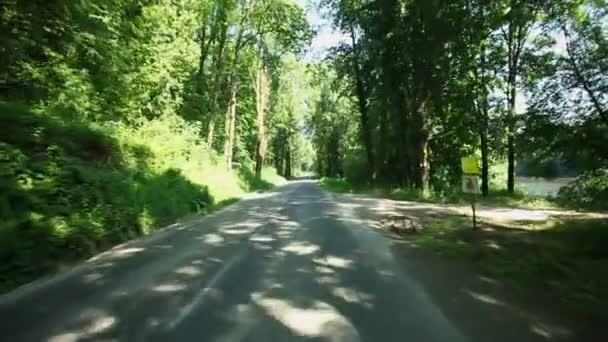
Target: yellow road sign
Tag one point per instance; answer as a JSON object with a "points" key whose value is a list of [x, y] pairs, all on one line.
{"points": [[470, 165]]}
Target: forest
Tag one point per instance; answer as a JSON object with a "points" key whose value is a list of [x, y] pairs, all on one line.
{"points": [[120, 116], [428, 82]]}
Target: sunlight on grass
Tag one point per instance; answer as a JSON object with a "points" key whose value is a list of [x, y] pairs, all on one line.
{"points": [[95, 186], [270, 175]]}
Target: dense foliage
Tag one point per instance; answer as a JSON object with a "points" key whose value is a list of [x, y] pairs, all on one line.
{"points": [[428, 82], [590, 190], [118, 116]]}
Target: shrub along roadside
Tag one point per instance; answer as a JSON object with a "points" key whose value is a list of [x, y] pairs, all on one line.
{"points": [[70, 190], [588, 191]]}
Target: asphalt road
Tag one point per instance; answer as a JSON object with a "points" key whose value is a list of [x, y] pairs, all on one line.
{"points": [[289, 265]]}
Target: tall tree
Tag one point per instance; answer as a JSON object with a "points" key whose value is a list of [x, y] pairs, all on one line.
{"points": [[262, 88], [519, 19]]}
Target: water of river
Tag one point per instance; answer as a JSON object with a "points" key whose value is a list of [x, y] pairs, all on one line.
{"points": [[542, 186]]}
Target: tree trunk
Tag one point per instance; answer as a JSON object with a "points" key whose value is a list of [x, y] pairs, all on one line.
{"points": [[362, 103], [260, 151], [511, 136], [204, 47], [261, 91], [229, 129], [230, 125], [232, 88], [516, 38], [483, 109], [423, 175], [278, 158], [485, 189], [211, 131], [382, 150], [218, 80], [287, 173], [511, 94], [422, 108]]}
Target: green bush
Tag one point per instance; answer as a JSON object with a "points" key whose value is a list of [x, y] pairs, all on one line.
{"points": [[589, 191], [338, 185], [355, 167]]}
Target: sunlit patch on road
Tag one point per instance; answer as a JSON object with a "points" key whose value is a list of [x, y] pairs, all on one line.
{"points": [[324, 270], [92, 277], [124, 252], [95, 322], [333, 261], [261, 238], [173, 287], [212, 239], [318, 320], [484, 298], [188, 271], [300, 248], [351, 295], [327, 280], [549, 332]]}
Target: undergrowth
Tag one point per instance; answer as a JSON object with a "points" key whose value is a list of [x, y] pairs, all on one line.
{"points": [[589, 191], [70, 190]]}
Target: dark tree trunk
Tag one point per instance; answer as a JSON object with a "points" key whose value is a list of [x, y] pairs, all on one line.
{"points": [[259, 161], [278, 161], [363, 110], [230, 129], [511, 165], [515, 37], [482, 109], [423, 172], [230, 116], [511, 138], [422, 108], [218, 81], [288, 162], [485, 189]]}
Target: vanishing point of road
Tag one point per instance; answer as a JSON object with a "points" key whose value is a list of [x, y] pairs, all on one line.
{"points": [[293, 264]]}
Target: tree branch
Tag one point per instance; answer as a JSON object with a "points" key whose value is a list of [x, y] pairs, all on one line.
{"points": [[581, 78]]}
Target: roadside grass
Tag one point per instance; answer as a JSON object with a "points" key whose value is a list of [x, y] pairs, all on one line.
{"points": [[70, 190], [497, 196], [564, 260]]}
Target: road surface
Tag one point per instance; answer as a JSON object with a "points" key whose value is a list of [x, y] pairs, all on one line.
{"points": [[295, 264]]}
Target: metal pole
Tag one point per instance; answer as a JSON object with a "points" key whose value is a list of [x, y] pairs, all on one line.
{"points": [[474, 217]]}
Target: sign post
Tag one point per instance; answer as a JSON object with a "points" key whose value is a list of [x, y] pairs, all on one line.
{"points": [[470, 181]]}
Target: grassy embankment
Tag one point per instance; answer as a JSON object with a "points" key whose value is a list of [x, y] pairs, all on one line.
{"points": [[70, 190]]}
